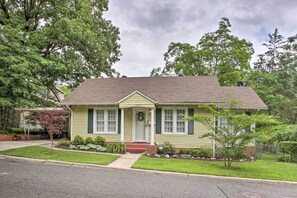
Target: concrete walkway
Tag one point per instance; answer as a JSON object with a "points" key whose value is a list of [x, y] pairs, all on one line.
{"points": [[126, 161], [6, 145]]}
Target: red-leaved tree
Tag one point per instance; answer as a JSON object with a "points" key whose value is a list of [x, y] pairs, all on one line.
{"points": [[53, 121]]}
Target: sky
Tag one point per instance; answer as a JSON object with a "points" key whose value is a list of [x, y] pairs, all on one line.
{"points": [[147, 27]]}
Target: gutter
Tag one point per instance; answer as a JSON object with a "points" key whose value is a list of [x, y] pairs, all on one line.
{"points": [[71, 122]]}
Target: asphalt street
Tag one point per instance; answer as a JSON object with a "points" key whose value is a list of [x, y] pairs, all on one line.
{"points": [[31, 179]]}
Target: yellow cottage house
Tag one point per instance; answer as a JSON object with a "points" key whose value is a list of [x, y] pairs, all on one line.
{"points": [[150, 110]]}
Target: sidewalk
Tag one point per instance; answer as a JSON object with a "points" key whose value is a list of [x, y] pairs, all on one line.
{"points": [[125, 162], [6, 145]]}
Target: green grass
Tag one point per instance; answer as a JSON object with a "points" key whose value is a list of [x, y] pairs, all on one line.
{"points": [[40, 152], [267, 168]]}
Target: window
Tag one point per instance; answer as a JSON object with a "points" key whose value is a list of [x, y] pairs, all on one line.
{"points": [[111, 120], [100, 120], [105, 121], [173, 120], [168, 121], [180, 122]]}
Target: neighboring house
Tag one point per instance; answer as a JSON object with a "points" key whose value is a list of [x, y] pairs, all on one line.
{"points": [[23, 115], [151, 109]]}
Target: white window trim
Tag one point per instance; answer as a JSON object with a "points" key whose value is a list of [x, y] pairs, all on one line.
{"points": [[174, 120], [105, 120]]}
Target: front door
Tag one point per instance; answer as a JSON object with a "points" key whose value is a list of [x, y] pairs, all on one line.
{"points": [[140, 126]]}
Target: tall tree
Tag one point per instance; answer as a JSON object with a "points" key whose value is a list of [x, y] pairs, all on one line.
{"points": [[44, 43], [270, 60], [218, 53], [275, 78]]}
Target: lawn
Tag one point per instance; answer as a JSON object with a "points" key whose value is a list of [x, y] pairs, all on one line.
{"points": [[267, 168], [40, 152]]}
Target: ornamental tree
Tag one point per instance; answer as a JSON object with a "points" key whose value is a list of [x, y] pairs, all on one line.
{"points": [[53, 121], [233, 137]]}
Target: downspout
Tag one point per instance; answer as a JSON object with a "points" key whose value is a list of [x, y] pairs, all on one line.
{"points": [[71, 122], [213, 140]]}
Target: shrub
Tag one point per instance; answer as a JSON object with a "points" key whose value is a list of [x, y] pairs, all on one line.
{"points": [[101, 149], [72, 146], [78, 140], [289, 148], [282, 157], [204, 152], [84, 148], [64, 143], [116, 147], [92, 146], [166, 148], [99, 140], [89, 140]]}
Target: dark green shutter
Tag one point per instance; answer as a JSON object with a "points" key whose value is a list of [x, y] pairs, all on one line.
{"points": [[90, 120], [191, 123], [248, 128], [158, 121], [119, 121]]}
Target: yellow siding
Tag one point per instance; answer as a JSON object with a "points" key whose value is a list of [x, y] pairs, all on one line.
{"points": [[128, 125], [80, 125], [188, 141], [136, 100]]}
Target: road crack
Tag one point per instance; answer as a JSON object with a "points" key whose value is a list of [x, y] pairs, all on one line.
{"points": [[223, 192]]}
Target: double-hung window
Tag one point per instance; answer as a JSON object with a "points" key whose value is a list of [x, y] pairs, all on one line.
{"points": [[105, 120], [173, 120]]}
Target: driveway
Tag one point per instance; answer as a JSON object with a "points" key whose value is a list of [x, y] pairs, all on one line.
{"points": [[5, 145], [29, 179]]}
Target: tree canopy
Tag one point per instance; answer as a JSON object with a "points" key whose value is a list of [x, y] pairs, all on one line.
{"points": [[44, 43], [217, 53]]}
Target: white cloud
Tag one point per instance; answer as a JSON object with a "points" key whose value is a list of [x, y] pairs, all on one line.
{"points": [[148, 26]]}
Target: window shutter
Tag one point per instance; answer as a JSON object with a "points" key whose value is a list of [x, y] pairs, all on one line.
{"points": [[90, 120], [158, 121], [248, 128], [190, 123], [119, 121]]}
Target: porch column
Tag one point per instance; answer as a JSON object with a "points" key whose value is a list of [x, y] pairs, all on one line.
{"points": [[152, 126], [122, 125]]}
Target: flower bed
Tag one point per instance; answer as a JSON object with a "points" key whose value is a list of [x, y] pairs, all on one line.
{"points": [[190, 157]]}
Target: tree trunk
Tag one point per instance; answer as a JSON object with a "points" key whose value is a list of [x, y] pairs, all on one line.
{"points": [[52, 139]]}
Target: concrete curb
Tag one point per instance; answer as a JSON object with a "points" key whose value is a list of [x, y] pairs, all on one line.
{"points": [[95, 166]]}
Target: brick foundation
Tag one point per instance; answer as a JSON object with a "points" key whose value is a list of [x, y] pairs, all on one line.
{"points": [[152, 149]]}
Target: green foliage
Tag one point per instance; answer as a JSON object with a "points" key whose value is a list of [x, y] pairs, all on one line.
{"points": [[275, 78], [84, 148], [290, 149], [166, 148], [89, 140], [64, 143], [67, 91], [231, 138], [101, 148], [72, 146], [217, 53], [98, 140], [78, 140], [47, 43], [116, 147], [92, 146], [198, 152]]}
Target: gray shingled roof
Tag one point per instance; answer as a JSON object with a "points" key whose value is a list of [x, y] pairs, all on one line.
{"points": [[163, 90], [246, 96]]}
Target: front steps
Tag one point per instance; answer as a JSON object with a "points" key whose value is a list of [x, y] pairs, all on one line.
{"points": [[136, 147]]}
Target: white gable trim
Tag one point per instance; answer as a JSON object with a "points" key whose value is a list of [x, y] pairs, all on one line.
{"points": [[138, 92]]}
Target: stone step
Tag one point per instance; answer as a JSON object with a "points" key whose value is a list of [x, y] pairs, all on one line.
{"points": [[136, 150]]}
